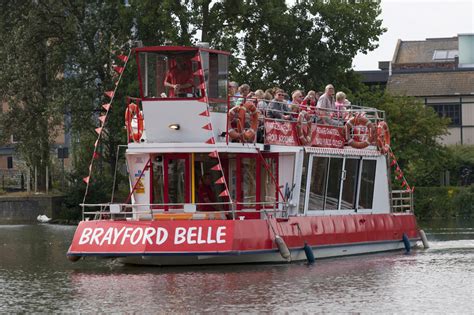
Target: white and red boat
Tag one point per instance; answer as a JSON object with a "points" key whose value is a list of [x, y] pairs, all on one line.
{"points": [[316, 184]]}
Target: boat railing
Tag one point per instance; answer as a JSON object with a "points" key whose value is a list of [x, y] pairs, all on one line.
{"points": [[238, 210], [402, 201], [288, 117]]}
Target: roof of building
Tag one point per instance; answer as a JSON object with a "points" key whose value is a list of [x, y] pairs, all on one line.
{"points": [[432, 83], [421, 51]]}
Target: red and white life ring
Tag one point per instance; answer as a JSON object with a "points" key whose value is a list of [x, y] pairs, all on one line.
{"points": [[236, 122], [133, 114], [303, 128], [356, 137], [383, 137]]}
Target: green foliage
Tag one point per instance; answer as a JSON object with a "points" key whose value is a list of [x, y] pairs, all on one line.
{"points": [[444, 202], [460, 164]]}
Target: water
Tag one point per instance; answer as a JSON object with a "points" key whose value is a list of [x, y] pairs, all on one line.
{"points": [[35, 276]]}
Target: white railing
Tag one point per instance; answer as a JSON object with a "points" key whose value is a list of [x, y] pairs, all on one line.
{"points": [[402, 201]]}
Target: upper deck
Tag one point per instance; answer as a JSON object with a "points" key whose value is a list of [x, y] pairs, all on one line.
{"points": [[200, 109]]}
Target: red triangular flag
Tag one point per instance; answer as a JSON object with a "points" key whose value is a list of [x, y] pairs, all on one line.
{"points": [[398, 169], [220, 181], [225, 193], [207, 127], [119, 69], [400, 176], [404, 183], [86, 179], [393, 163], [211, 141], [413, 189], [216, 167], [201, 86], [95, 156], [123, 58], [214, 154], [199, 72], [195, 58], [392, 155], [98, 130], [106, 106], [102, 118], [204, 113], [110, 94], [408, 189]]}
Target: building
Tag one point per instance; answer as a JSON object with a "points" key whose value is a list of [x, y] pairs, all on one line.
{"points": [[440, 71]]}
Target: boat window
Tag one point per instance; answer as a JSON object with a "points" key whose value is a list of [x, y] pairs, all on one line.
{"points": [[202, 169], [267, 184], [333, 184], [367, 184], [304, 178], [216, 81], [172, 67], [249, 181], [158, 193], [176, 182], [318, 182], [349, 187]]}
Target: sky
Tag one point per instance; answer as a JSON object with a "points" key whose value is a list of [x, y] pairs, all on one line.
{"points": [[417, 20]]}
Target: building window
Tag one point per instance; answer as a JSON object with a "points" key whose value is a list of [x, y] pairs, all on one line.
{"points": [[9, 162], [452, 111], [445, 55]]}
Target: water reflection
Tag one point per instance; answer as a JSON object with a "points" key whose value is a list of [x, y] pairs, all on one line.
{"points": [[35, 276]]}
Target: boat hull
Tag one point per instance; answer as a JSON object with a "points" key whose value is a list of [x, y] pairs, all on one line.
{"points": [[203, 242]]}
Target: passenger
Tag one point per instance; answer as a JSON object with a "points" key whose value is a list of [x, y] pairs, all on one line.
{"points": [[244, 92], [179, 78], [261, 103], [232, 92], [278, 108], [297, 97], [206, 194], [326, 101], [341, 103]]}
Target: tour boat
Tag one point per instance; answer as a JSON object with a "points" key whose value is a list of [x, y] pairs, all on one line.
{"points": [[216, 179]]}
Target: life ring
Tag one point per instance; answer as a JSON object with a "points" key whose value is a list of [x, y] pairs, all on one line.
{"points": [[239, 131], [360, 140], [304, 134], [134, 113], [383, 137]]}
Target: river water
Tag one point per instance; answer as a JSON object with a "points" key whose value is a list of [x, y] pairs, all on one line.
{"points": [[35, 276]]}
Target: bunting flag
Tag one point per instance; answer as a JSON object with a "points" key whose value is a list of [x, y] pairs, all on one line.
{"points": [[400, 176], [404, 183], [201, 86], [216, 167], [398, 170], [119, 69], [214, 154], [86, 179], [98, 130], [102, 118], [393, 163], [123, 58], [205, 113], [225, 193], [199, 72], [196, 58], [106, 106], [95, 156], [207, 127], [220, 181], [211, 141], [110, 94]]}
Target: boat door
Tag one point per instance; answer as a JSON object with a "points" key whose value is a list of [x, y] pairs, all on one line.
{"points": [[171, 180]]}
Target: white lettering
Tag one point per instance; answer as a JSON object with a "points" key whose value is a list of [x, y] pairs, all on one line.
{"points": [[161, 235], [126, 235], [117, 234], [179, 237], [107, 237], [199, 237], [86, 233], [149, 232], [191, 235], [134, 239], [95, 236], [220, 234], [209, 236]]}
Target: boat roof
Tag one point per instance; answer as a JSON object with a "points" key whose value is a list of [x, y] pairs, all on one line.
{"points": [[178, 49]]}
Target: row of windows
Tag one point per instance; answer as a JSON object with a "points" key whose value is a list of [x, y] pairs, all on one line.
{"points": [[338, 183], [452, 111]]}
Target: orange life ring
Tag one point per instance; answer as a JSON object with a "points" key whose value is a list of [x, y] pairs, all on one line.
{"points": [[359, 141], [383, 137], [304, 134], [133, 112], [239, 131]]}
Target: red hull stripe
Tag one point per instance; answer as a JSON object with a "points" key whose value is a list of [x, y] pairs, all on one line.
{"points": [[228, 236]]}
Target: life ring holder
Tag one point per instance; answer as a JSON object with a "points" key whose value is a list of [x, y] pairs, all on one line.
{"points": [[363, 121], [133, 112], [305, 137], [240, 132], [383, 137]]}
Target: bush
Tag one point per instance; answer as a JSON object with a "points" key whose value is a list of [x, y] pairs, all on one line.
{"points": [[444, 202]]}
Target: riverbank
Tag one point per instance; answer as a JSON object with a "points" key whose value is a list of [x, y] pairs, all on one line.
{"points": [[20, 208]]}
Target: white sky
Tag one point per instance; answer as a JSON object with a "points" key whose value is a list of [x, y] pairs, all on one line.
{"points": [[417, 20]]}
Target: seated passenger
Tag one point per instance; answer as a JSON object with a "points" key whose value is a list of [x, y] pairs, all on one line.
{"points": [[278, 108], [341, 103], [206, 194], [179, 78], [232, 92], [244, 92]]}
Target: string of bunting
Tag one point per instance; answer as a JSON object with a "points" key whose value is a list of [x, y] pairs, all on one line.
{"points": [[119, 70], [215, 153], [399, 173]]}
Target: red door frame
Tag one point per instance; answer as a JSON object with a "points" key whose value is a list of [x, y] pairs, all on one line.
{"points": [[187, 179]]}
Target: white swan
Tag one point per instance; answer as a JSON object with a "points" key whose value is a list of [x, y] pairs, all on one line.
{"points": [[43, 218]]}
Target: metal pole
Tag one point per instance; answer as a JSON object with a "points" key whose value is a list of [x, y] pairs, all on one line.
{"points": [[28, 180], [36, 179], [47, 179]]}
